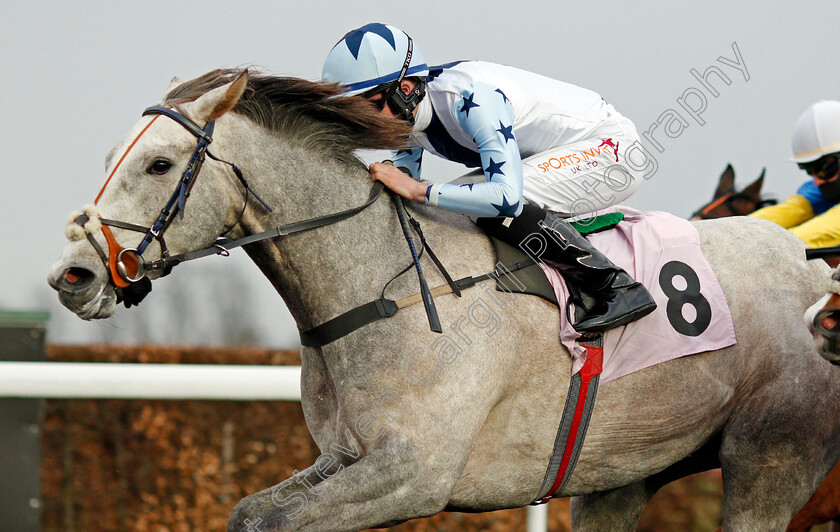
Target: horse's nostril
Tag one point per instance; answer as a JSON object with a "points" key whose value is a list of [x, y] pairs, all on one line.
{"points": [[78, 276], [830, 322]]}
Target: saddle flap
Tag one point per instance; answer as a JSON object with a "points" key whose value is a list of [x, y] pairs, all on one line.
{"points": [[528, 280], [531, 279]]}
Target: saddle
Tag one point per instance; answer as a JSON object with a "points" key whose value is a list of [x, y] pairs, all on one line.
{"points": [[531, 280]]}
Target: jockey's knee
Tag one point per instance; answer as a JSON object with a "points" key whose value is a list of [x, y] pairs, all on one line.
{"points": [[513, 230], [623, 181], [611, 187]]}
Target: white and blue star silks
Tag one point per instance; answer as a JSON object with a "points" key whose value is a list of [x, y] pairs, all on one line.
{"points": [[492, 117]]}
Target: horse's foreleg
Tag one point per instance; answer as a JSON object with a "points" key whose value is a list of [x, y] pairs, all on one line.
{"points": [[615, 510], [767, 474], [761, 498], [387, 486], [290, 494]]}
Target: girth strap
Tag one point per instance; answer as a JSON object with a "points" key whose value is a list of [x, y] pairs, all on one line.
{"points": [[348, 322], [583, 388]]}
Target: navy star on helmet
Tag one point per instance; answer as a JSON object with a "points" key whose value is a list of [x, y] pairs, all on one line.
{"points": [[370, 56]]}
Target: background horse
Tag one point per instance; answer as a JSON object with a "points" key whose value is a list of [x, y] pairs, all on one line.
{"points": [[729, 202], [823, 319], [824, 505], [412, 422]]}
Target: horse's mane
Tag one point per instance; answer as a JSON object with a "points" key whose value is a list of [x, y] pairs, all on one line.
{"points": [[314, 114]]}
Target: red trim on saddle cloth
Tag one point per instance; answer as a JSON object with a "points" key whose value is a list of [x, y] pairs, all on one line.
{"points": [[591, 368]]}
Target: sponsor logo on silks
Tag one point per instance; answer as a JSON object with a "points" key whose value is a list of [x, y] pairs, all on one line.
{"points": [[614, 145], [583, 157]]}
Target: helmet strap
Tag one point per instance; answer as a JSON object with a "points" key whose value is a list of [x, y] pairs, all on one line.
{"points": [[403, 104]]}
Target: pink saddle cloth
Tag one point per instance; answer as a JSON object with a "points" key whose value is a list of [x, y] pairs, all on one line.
{"points": [[663, 253]]}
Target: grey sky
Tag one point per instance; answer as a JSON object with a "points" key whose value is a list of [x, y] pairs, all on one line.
{"points": [[77, 76]]}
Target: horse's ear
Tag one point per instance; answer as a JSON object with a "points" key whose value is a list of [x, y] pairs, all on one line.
{"points": [[754, 189], [218, 101], [726, 183], [172, 84]]}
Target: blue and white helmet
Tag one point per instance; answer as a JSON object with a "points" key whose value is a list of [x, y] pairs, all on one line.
{"points": [[371, 56]]}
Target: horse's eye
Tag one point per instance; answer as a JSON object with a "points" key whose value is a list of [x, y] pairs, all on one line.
{"points": [[159, 166]]}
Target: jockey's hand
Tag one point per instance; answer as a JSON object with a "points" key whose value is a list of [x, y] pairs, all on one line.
{"points": [[397, 181]]}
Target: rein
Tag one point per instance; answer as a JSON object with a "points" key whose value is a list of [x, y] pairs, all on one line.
{"points": [[127, 265], [223, 245], [177, 202], [129, 271]]}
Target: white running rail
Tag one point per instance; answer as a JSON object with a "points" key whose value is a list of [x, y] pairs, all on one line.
{"points": [[95, 380]]}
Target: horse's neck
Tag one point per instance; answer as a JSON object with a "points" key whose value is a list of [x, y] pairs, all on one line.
{"points": [[327, 271]]}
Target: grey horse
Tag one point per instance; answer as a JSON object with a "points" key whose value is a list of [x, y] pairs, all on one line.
{"points": [[411, 422]]}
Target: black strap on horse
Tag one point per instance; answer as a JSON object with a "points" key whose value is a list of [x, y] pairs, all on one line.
{"points": [[133, 284], [822, 253], [375, 310], [223, 245], [416, 225], [357, 317]]}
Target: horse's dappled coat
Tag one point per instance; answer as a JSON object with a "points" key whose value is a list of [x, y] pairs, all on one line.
{"points": [[480, 436]]}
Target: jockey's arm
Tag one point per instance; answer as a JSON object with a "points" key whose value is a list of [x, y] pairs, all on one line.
{"points": [[821, 231], [486, 115], [808, 215], [792, 212]]}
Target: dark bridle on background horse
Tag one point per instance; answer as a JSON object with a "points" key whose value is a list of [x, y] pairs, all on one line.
{"points": [[128, 269], [728, 200]]}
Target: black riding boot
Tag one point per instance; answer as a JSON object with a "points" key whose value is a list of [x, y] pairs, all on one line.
{"points": [[619, 299]]}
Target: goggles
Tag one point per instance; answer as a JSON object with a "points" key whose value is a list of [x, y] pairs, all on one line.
{"points": [[823, 168], [382, 101]]}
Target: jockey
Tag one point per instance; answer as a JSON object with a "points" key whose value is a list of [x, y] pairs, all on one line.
{"points": [[548, 151], [813, 213]]}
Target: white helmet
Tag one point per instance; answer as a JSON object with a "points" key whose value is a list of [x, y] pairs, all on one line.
{"points": [[371, 56], [817, 132]]}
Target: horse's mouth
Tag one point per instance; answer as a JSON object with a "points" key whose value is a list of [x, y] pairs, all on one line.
{"points": [[83, 292]]}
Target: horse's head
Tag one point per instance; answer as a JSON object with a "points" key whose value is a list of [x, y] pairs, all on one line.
{"points": [[729, 202], [139, 214], [823, 319]]}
